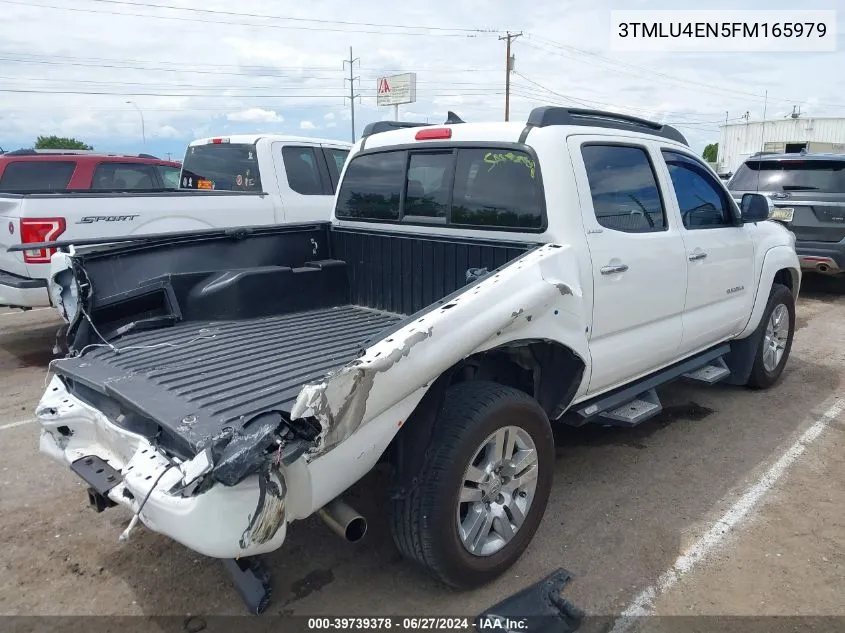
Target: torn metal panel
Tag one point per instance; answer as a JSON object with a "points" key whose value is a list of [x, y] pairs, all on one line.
{"points": [[270, 512], [493, 309]]}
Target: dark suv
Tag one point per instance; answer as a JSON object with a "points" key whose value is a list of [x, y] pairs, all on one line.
{"points": [[809, 193]]}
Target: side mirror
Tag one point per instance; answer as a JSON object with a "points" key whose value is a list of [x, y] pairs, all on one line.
{"points": [[755, 207]]}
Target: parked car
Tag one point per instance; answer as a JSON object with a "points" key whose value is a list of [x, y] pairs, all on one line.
{"points": [[240, 180], [41, 171], [477, 283], [808, 192]]}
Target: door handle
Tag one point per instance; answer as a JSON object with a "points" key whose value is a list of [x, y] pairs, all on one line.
{"points": [[612, 270], [696, 256]]}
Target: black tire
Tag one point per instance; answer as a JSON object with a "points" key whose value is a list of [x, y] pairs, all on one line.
{"points": [[760, 377], [425, 525]]}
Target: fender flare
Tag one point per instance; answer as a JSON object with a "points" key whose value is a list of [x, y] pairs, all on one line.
{"points": [[776, 259], [740, 360]]}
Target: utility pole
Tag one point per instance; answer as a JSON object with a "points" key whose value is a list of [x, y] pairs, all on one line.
{"points": [[351, 79], [508, 68]]}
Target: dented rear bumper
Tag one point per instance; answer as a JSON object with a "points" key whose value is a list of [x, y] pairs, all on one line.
{"points": [[221, 521]]}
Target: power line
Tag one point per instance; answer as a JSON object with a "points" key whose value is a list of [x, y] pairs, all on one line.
{"points": [[291, 19], [589, 103], [230, 22], [655, 73], [218, 87], [475, 91], [181, 65]]}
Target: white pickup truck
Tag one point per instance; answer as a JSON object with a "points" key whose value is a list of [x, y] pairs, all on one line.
{"points": [[476, 284], [227, 181]]}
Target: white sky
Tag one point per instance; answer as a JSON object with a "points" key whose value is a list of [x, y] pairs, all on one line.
{"points": [[236, 73]]}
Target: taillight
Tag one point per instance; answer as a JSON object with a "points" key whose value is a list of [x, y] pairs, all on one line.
{"points": [[431, 133], [218, 141], [35, 230]]}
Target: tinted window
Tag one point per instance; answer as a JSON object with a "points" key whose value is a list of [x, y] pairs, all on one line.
{"points": [[36, 175], [701, 200], [302, 171], [338, 157], [224, 166], [827, 176], [623, 188], [335, 158], [497, 188], [169, 176], [123, 176], [429, 184], [372, 186]]}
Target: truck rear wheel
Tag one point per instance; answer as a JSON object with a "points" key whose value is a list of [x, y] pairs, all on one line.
{"points": [[484, 488], [778, 328]]}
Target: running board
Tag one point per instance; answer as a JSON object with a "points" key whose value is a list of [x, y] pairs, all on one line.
{"points": [[644, 406], [640, 398], [710, 374]]}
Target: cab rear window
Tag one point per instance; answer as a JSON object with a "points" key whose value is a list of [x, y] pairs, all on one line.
{"points": [[221, 166], [484, 187], [36, 175]]}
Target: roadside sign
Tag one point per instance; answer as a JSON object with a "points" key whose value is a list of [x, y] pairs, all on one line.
{"points": [[396, 89]]}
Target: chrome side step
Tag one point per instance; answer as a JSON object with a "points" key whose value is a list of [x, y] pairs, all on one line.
{"points": [[646, 405], [710, 374]]}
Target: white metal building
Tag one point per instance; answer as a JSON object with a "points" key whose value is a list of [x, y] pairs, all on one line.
{"points": [[738, 141]]}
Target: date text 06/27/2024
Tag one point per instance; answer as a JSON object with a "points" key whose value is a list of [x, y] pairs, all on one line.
{"points": [[486, 623]]}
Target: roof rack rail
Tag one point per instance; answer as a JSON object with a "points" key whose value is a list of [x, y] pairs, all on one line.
{"points": [[552, 115], [378, 127]]}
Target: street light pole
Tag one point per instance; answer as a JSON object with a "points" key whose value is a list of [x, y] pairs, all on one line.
{"points": [[143, 130]]}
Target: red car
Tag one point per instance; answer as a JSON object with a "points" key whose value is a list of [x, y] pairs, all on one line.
{"points": [[30, 170]]}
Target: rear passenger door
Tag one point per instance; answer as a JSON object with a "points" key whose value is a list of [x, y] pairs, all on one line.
{"points": [[719, 253], [304, 182], [638, 259]]}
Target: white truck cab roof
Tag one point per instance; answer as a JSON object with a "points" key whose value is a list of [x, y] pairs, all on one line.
{"points": [[252, 139]]}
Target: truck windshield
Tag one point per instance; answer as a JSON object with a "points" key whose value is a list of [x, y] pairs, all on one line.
{"points": [[221, 166], [826, 176]]}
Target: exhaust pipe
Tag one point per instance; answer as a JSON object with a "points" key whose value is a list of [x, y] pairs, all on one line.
{"points": [[823, 268], [343, 520]]}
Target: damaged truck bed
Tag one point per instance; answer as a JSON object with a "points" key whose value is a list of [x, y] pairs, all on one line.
{"points": [[211, 374], [193, 380]]}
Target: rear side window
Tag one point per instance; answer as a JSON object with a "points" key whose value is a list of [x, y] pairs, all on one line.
{"points": [[36, 175], [498, 188], [221, 166], [624, 188], [124, 176], [825, 176], [302, 171], [169, 176], [335, 159]]}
